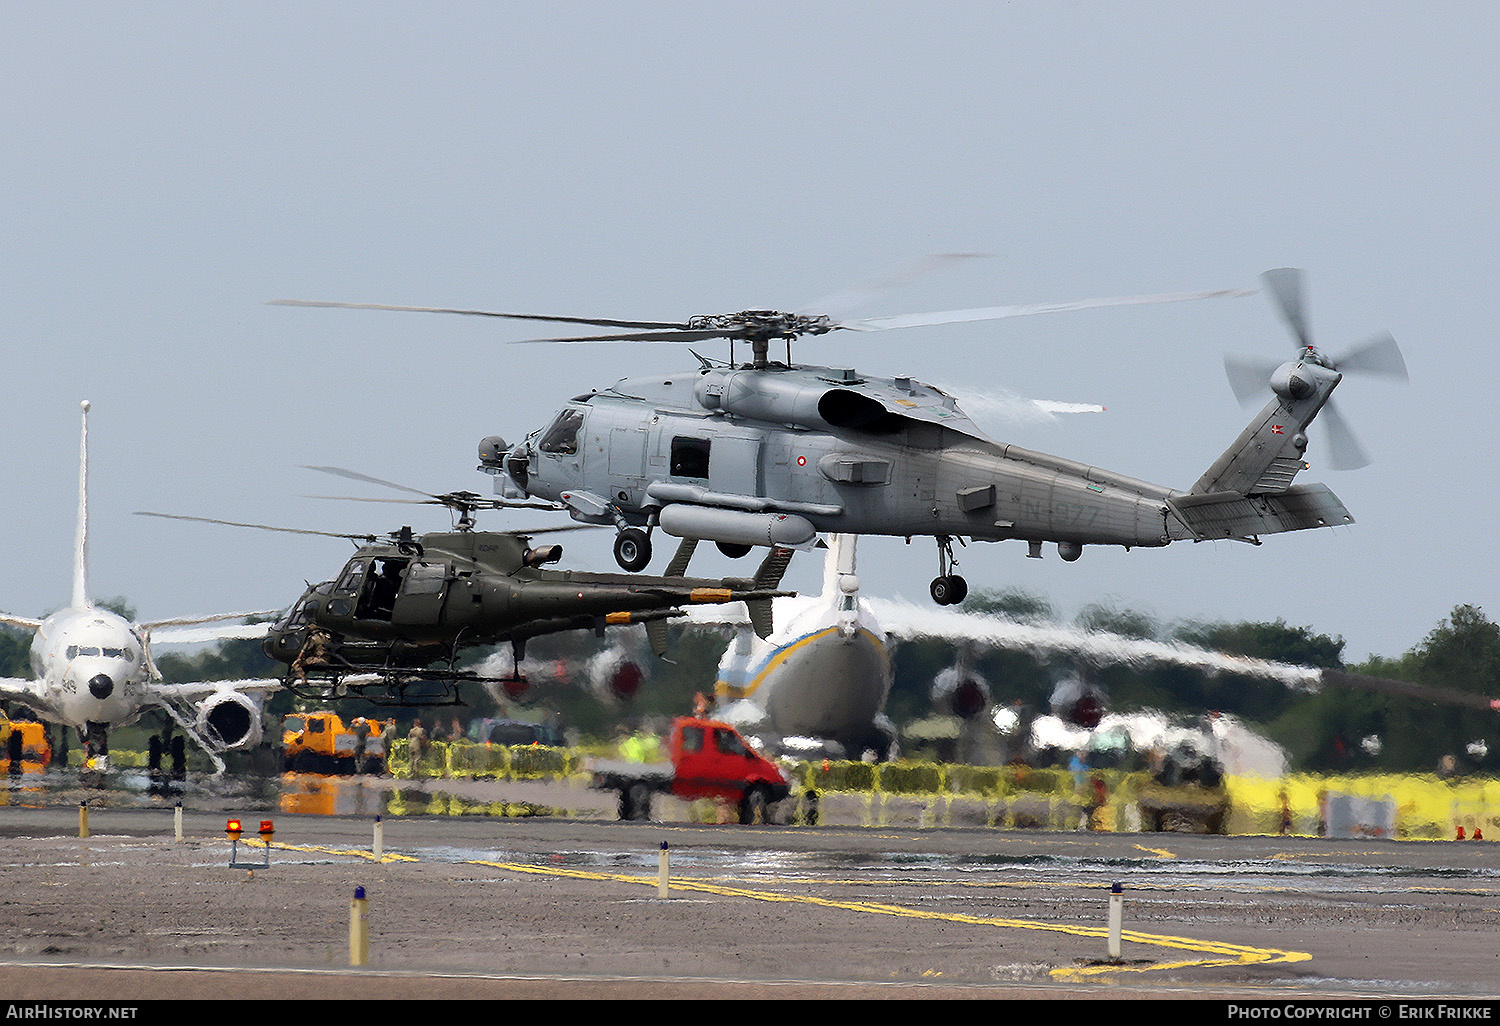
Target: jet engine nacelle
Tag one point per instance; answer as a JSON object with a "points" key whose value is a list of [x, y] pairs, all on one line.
{"points": [[230, 721], [960, 693]]}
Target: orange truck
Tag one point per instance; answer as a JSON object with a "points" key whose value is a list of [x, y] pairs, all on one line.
{"points": [[320, 742], [709, 759]]}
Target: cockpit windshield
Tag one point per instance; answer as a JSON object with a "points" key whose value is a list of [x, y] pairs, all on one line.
{"points": [[562, 437], [74, 651]]}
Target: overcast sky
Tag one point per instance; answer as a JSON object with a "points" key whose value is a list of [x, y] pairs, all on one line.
{"points": [[168, 168]]}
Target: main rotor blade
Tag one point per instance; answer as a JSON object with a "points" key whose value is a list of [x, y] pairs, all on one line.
{"points": [[438, 500], [992, 313], [356, 476], [673, 335], [1344, 450], [559, 529], [601, 321], [1376, 355], [854, 295], [1285, 286], [259, 527]]}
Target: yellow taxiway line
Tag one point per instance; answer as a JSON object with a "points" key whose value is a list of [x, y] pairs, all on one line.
{"points": [[1222, 954]]}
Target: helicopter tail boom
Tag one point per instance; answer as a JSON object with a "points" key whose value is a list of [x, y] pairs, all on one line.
{"points": [[1248, 491]]}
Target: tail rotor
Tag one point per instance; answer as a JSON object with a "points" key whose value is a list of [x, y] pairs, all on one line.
{"points": [[1378, 356]]}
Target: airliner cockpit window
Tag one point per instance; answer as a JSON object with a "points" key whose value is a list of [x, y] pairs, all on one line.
{"points": [[562, 437]]}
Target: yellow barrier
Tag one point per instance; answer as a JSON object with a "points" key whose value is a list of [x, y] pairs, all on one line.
{"points": [[1426, 807], [484, 760]]}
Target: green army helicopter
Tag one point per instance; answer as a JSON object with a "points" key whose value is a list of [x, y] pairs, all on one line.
{"points": [[405, 607]]}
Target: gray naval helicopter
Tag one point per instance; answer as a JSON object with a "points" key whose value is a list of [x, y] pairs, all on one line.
{"points": [[767, 453], [392, 624]]}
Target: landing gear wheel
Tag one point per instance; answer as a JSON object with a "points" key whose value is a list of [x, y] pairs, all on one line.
{"points": [[958, 589], [635, 802], [810, 808], [633, 549], [949, 590], [753, 807], [733, 550]]}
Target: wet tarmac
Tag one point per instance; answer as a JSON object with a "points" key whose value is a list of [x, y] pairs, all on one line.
{"points": [[528, 889]]}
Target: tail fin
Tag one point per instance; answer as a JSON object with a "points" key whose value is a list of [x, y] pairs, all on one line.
{"points": [[1268, 453], [1248, 491], [81, 536]]}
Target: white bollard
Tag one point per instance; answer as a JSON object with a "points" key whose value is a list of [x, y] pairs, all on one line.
{"points": [[379, 848], [662, 890], [177, 822], [1116, 909]]}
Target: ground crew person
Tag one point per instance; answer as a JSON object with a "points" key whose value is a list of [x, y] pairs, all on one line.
{"points": [[416, 745]]}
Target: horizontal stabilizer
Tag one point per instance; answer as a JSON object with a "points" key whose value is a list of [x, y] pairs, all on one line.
{"points": [[1246, 517]]}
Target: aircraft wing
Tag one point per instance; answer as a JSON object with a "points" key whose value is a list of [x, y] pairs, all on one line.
{"points": [[907, 620], [196, 690], [18, 689], [199, 635], [193, 621], [27, 622]]}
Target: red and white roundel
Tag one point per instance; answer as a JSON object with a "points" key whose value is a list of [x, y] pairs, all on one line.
{"points": [[801, 461]]}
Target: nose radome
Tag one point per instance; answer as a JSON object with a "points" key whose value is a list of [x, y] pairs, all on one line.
{"points": [[101, 685]]}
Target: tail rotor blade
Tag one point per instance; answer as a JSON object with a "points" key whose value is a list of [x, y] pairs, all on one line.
{"points": [[1249, 377], [1378, 355], [1344, 450]]}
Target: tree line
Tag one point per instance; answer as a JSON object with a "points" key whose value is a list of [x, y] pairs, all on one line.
{"points": [[1332, 729]]}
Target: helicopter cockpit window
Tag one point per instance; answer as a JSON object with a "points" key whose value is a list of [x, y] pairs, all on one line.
{"points": [[379, 599], [689, 457], [354, 576], [562, 437]]}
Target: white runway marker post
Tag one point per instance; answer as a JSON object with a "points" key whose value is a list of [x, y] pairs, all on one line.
{"points": [[359, 928], [1116, 913]]}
